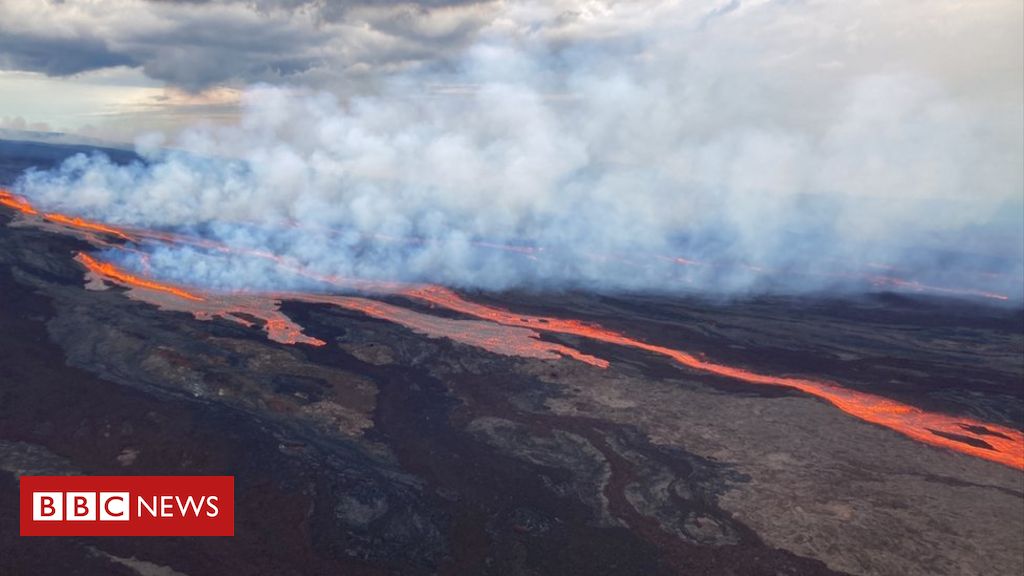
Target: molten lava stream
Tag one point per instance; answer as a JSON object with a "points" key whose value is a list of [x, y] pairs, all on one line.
{"points": [[995, 443], [81, 224], [110, 271], [240, 307], [25, 207], [1006, 444], [16, 202]]}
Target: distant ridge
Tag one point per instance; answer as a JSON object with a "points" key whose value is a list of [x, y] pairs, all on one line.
{"points": [[60, 138], [16, 156]]}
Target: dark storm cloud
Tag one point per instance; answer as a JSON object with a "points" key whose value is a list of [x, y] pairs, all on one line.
{"points": [[195, 53], [194, 44], [58, 56]]}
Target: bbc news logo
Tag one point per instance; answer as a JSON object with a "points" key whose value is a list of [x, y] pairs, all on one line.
{"points": [[127, 506]]}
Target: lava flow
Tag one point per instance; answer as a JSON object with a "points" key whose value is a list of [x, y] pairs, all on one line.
{"points": [[88, 225], [497, 338], [17, 203], [989, 441], [114, 273], [67, 222], [240, 307], [505, 332]]}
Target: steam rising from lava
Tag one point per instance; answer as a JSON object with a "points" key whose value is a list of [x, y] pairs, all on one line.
{"points": [[780, 159], [497, 330]]}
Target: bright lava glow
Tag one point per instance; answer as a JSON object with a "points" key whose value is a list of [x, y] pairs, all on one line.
{"points": [[16, 202], [113, 272], [87, 225], [1007, 444]]}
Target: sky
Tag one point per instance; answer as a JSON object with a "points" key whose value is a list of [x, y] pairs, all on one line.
{"points": [[819, 137], [120, 67]]}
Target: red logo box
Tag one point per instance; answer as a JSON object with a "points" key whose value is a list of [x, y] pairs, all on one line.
{"points": [[127, 505]]}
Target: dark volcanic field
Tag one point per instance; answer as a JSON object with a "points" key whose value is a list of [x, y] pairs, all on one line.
{"points": [[387, 452], [453, 504]]}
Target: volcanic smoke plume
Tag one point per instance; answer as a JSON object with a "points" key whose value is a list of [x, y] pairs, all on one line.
{"points": [[681, 156]]}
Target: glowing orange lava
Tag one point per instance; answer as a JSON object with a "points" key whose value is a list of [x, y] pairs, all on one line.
{"points": [[25, 207], [16, 202], [1006, 445], [82, 224], [282, 329], [239, 307], [113, 272]]}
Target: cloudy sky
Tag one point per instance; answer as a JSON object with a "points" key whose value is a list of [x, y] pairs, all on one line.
{"points": [[120, 66], [810, 136]]}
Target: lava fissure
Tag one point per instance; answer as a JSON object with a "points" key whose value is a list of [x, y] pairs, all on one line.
{"points": [[89, 225], [108, 270], [17, 203]]}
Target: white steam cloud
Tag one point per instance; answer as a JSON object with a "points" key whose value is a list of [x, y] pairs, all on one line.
{"points": [[784, 146]]}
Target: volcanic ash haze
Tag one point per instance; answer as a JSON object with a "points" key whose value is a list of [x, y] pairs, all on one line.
{"points": [[788, 147]]}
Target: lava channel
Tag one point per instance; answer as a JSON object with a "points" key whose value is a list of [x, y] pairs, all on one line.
{"points": [[241, 307], [1000, 444], [17, 203]]}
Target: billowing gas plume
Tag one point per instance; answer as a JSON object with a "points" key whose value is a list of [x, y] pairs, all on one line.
{"points": [[723, 152]]}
